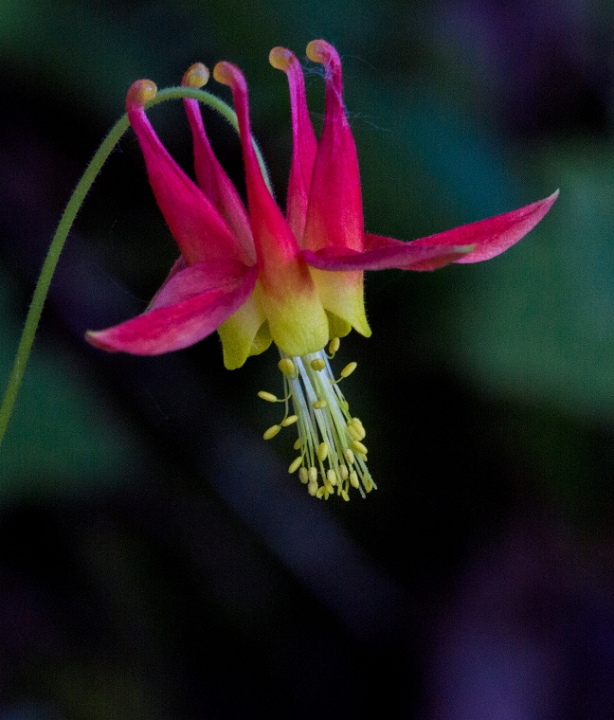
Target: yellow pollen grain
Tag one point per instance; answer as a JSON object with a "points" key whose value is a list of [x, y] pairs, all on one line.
{"points": [[312, 489], [349, 369], [318, 364], [296, 463], [354, 479], [319, 404], [269, 397], [344, 472], [271, 432], [360, 447], [287, 366], [322, 451], [313, 475], [290, 420], [334, 345], [349, 455], [303, 475], [331, 476]]}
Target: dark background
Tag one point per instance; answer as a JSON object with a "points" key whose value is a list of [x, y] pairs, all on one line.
{"points": [[156, 560]]}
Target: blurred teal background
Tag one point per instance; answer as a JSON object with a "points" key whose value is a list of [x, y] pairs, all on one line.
{"points": [[156, 560]]}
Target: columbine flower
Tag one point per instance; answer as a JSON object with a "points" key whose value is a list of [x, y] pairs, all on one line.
{"points": [[295, 280]]}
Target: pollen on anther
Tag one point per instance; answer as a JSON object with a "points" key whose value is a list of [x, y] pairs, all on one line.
{"points": [[269, 397], [349, 369], [297, 444], [287, 366], [360, 447], [334, 345], [303, 475], [296, 463], [354, 479], [319, 404], [322, 451], [331, 476], [349, 455], [290, 420], [271, 432], [318, 364]]}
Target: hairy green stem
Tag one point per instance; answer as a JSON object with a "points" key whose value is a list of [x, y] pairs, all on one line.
{"points": [[68, 217]]}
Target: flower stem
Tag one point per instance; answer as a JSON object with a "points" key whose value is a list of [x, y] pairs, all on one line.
{"points": [[68, 217]]}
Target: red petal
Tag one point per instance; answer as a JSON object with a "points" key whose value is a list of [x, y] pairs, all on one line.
{"points": [[490, 237], [211, 176], [335, 215], [304, 144], [190, 306], [405, 257], [196, 225], [275, 242]]}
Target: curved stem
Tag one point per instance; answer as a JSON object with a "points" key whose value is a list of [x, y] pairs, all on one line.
{"points": [[68, 217]]}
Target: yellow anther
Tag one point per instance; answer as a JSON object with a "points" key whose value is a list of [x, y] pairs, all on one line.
{"points": [[360, 447], [331, 476], [303, 475], [344, 472], [354, 479], [271, 432], [290, 420], [296, 463], [349, 455], [334, 345], [141, 92], [297, 444], [287, 366], [321, 492], [368, 483], [312, 489], [318, 364], [349, 369], [344, 495], [354, 432], [196, 76], [313, 475], [359, 432], [322, 451], [269, 397], [319, 404]]}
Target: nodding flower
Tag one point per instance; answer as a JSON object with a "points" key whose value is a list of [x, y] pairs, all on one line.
{"points": [[258, 275]]}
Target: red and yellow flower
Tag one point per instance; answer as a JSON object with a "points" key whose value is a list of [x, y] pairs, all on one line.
{"points": [[258, 276]]}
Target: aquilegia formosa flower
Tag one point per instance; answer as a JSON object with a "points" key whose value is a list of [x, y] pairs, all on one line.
{"points": [[296, 280]]}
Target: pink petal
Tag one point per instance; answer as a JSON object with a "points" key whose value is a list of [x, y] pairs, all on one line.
{"points": [[384, 258], [304, 144], [190, 306], [198, 228], [275, 243], [469, 243], [211, 176], [334, 216], [490, 237]]}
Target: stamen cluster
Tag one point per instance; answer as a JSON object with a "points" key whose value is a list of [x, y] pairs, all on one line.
{"points": [[330, 440]]}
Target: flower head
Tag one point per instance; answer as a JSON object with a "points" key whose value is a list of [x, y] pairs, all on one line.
{"points": [[257, 275]]}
